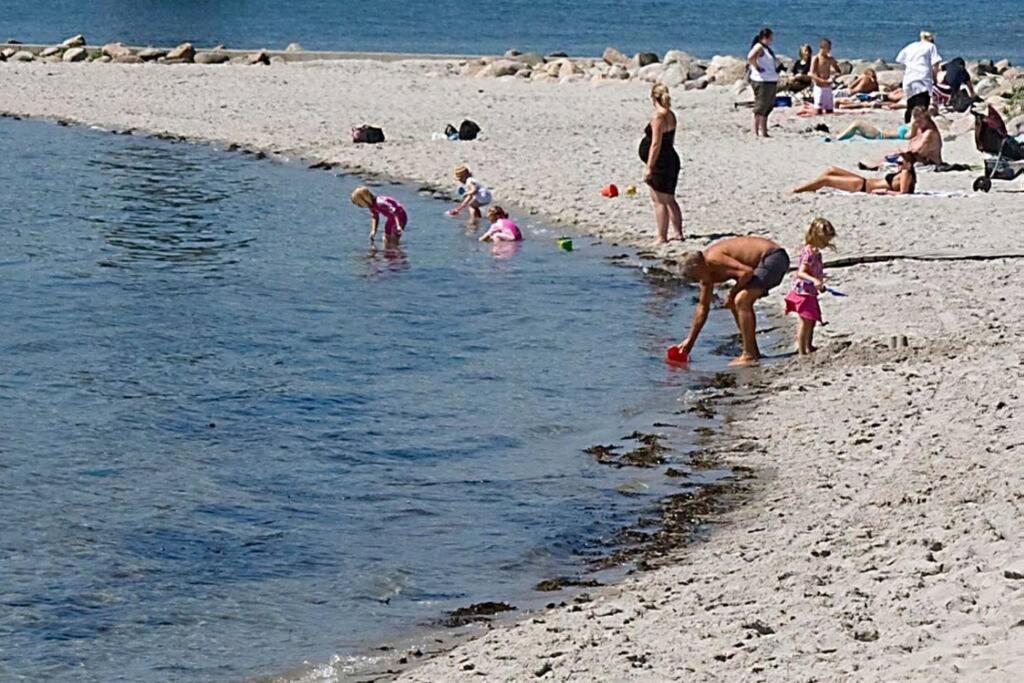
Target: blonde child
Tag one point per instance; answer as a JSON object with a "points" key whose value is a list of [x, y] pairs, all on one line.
{"points": [[808, 282], [474, 193], [502, 228], [394, 213]]}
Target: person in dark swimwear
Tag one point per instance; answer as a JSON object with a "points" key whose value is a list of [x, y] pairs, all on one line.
{"points": [[758, 265], [657, 150], [800, 77], [903, 181]]}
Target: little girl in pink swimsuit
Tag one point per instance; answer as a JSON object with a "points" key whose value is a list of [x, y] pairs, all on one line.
{"points": [[394, 213], [502, 228], [808, 282]]}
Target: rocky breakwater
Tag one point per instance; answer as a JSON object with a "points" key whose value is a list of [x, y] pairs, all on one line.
{"points": [[76, 49]]}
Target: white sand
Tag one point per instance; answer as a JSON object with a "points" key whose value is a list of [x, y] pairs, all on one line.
{"points": [[884, 541]]}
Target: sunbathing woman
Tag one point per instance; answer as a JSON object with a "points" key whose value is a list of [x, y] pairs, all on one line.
{"points": [[866, 83], [903, 181], [866, 130]]}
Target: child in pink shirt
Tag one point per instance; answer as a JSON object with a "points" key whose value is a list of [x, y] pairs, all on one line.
{"points": [[502, 227], [394, 213], [808, 282]]}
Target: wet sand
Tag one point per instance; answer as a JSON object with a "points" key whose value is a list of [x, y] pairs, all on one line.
{"points": [[884, 539]]}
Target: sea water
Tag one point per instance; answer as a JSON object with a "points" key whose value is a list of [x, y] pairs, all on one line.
{"points": [[858, 28], [234, 438]]}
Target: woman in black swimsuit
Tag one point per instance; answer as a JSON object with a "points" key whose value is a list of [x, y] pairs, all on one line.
{"points": [[657, 150], [903, 181]]}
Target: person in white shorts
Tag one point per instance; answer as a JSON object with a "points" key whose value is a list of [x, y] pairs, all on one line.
{"points": [[823, 65]]}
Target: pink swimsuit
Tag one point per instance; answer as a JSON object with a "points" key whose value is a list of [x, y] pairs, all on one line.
{"points": [[504, 230], [393, 212], [803, 298]]}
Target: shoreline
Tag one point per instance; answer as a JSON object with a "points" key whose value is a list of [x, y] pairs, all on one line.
{"points": [[873, 553]]}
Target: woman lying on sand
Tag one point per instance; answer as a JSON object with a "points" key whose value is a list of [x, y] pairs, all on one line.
{"points": [[925, 142], [903, 181], [866, 83], [866, 130]]}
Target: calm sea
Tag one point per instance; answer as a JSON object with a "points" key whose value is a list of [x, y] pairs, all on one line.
{"points": [[859, 28], [233, 438]]}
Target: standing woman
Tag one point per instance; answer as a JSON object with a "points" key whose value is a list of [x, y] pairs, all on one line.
{"points": [[764, 76], [922, 61], [657, 150]]}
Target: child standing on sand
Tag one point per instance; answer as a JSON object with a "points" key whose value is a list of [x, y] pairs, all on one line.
{"points": [[808, 282], [502, 227], [474, 193], [822, 66], [393, 212]]}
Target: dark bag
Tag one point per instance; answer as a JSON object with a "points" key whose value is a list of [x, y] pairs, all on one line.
{"points": [[468, 130], [961, 101], [451, 132], [367, 135]]}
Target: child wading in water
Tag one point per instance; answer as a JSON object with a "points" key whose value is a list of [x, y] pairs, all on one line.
{"points": [[393, 212], [474, 194], [502, 227], [808, 282]]}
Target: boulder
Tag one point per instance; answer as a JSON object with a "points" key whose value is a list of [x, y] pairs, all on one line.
{"points": [[889, 78], [986, 86], [1015, 126], [22, 56], [1013, 74], [295, 47], [613, 56], [510, 54], [726, 70], [674, 75], [472, 68], [259, 58], [127, 59], [985, 67], [102, 59], [651, 73], [698, 84], [678, 57], [618, 72], [524, 73], [531, 59], [115, 50], [74, 41], [75, 54], [1001, 66], [501, 67], [184, 53], [569, 68], [643, 59], [554, 68], [8, 52], [211, 58], [845, 67], [151, 54], [51, 51], [695, 70]]}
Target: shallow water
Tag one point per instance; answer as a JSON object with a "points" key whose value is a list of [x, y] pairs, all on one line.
{"points": [[859, 28], [233, 439]]}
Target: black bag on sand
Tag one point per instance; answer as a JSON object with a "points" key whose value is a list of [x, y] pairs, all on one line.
{"points": [[451, 132], [961, 101], [468, 130], [368, 135]]}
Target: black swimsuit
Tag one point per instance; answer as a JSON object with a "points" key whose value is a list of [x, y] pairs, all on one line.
{"points": [[666, 166]]}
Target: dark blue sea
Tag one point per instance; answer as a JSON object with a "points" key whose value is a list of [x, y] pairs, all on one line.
{"points": [[234, 438], [858, 28]]}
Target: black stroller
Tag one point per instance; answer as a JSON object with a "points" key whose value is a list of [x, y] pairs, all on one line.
{"points": [[992, 138]]}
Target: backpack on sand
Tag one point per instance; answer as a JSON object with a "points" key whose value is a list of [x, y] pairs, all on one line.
{"points": [[367, 135], [468, 130]]}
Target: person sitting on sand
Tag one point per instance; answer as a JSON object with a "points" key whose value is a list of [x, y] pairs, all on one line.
{"points": [[865, 84], [925, 142], [800, 77], [822, 67], [502, 228], [903, 181], [866, 130], [474, 193], [394, 213], [758, 265], [657, 150]]}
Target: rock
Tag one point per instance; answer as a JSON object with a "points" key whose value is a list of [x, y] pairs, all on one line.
{"points": [[259, 58], [865, 633], [558, 55], [845, 67], [184, 52], [694, 71], [295, 47], [509, 54], [472, 68], [651, 73], [152, 54], [22, 56], [618, 72], [1013, 575], [75, 54], [102, 59], [613, 56], [115, 50], [8, 52], [890, 78], [697, 84], [74, 41], [524, 73], [643, 59], [569, 68], [677, 57], [986, 86], [674, 75], [531, 59], [278, 59], [1002, 65], [985, 67], [51, 51], [1015, 126], [501, 67], [211, 58], [726, 70], [127, 59]]}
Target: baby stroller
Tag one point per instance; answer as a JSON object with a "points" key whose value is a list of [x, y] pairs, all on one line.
{"points": [[991, 137]]}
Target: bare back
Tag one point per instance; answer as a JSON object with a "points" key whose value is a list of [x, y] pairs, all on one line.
{"points": [[748, 250]]}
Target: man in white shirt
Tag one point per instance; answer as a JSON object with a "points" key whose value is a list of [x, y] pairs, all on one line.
{"points": [[922, 60]]}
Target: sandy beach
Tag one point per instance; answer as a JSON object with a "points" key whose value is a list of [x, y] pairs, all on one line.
{"points": [[884, 542]]}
